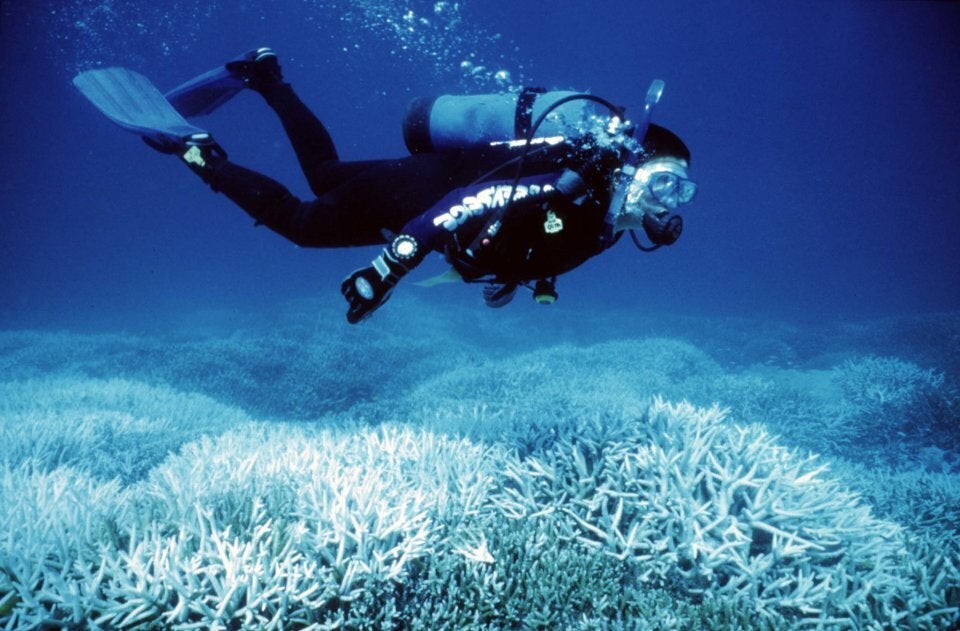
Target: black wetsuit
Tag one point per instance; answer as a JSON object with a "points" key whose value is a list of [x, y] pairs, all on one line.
{"points": [[435, 198]]}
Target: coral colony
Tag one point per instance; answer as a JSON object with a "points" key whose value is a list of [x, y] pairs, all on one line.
{"points": [[527, 498]]}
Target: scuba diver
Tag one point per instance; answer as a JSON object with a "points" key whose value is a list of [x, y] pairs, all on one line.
{"points": [[513, 189]]}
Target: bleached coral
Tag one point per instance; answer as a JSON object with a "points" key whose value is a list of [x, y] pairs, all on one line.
{"points": [[111, 427], [258, 527], [51, 521], [721, 511], [290, 370], [899, 407], [676, 518], [534, 398]]}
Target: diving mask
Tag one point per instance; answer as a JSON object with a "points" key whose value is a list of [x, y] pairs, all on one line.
{"points": [[666, 187], [657, 188], [670, 189]]}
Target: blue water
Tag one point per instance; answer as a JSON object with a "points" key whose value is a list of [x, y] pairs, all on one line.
{"points": [[823, 138], [814, 295]]}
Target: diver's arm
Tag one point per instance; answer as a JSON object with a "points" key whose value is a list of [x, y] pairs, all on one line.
{"points": [[367, 288]]}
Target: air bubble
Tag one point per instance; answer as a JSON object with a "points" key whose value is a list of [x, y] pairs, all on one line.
{"points": [[434, 32]]}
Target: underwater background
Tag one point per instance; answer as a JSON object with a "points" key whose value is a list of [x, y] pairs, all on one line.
{"points": [[755, 428]]}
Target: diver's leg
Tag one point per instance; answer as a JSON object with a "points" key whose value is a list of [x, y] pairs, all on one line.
{"points": [[376, 201], [330, 221], [260, 71], [319, 223], [310, 139]]}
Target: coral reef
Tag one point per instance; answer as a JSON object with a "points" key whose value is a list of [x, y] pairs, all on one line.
{"points": [[261, 526], [677, 514], [110, 428], [716, 510], [307, 479]]}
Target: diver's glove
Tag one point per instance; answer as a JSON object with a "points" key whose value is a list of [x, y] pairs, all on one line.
{"points": [[368, 288]]}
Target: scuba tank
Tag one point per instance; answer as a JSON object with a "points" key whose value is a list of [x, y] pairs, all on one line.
{"points": [[448, 122]]}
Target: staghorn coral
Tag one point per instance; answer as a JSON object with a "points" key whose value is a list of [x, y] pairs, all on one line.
{"points": [[260, 527], [614, 516], [289, 373], [880, 410], [898, 408], [531, 399], [927, 504], [714, 510], [50, 520], [109, 427]]}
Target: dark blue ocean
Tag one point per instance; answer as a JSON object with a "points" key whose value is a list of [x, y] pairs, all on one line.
{"points": [[754, 428]]}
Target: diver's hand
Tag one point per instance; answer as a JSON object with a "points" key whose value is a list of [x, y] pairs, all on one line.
{"points": [[367, 288]]}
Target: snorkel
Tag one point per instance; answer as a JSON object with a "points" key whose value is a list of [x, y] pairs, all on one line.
{"points": [[635, 134]]}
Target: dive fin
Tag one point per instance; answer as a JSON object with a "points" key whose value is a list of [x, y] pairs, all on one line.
{"points": [[449, 276], [132, 102], [205, 93]]}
